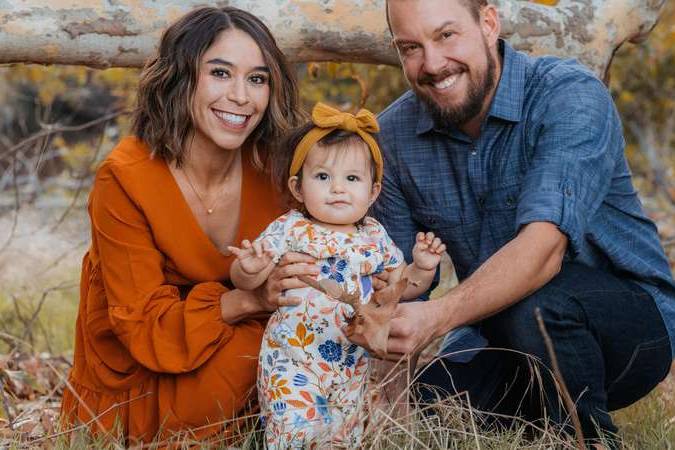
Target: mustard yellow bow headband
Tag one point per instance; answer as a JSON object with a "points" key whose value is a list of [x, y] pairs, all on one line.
{"points": [[326, 120]]}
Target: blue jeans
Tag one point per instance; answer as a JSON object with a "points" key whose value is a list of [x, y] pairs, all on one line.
{"points": [[609, 338]]}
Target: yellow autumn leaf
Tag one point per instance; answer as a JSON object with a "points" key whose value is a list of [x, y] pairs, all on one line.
{"points": [[301, 331], [294, 342]]}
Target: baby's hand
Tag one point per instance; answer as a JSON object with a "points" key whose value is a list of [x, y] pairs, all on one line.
{"points": [[427, 251], [253, 257]]}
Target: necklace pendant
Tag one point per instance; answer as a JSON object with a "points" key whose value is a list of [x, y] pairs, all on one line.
{"points": [[209, 211]]}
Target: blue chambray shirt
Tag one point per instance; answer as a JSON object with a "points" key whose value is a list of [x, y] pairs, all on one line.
{"points": [[551, 149]]}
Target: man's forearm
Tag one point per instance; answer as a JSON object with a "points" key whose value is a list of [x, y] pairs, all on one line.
{"points": [[518, 269]]}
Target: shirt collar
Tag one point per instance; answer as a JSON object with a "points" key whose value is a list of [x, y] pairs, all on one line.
{"points": [[507, 103]]}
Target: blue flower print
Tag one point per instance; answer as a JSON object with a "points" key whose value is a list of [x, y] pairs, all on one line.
{"points": [[300, 379], [335, 269], [322, 407], [349, 359], [281, 333], [299, 421], [331, 351], [279, 408]]}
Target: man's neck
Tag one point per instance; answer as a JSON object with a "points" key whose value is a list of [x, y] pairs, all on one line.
{"points": [[473, 126]]}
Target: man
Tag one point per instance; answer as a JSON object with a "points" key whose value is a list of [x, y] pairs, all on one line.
{"points": [[517, 164]]}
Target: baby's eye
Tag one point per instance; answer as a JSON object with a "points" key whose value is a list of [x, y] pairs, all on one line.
{"points": [[353, 178], [323, 176], [220, 73]]}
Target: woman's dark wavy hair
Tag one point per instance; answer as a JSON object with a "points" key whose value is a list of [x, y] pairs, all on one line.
{"points": [[163, 116]]}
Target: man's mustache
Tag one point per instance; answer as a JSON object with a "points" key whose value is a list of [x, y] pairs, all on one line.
{"points": [[428, 78]]}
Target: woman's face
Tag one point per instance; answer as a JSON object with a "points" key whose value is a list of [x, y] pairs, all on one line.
{"points": [[233, 91]]}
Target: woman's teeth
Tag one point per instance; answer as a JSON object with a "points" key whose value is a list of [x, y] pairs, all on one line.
{"points": [[234, 119]]}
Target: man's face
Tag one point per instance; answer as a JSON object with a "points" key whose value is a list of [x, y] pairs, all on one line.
{"points": [[445, 54]]}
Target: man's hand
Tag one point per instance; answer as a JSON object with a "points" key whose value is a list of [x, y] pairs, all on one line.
{"points": [[412, 328], [427, 251]]}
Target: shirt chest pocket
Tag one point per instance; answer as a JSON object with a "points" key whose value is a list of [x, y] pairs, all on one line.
{"points": [[447, 224], [500, 207]]}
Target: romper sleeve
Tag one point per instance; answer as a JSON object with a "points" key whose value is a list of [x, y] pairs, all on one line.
{"points": [[392, 255], [161, 331], [276, 235]]}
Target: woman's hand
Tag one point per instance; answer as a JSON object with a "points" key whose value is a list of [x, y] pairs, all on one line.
{"points": [[283, 277]]}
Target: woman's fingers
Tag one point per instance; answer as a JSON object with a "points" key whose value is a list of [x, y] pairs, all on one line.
{"points": [[295, 257]]}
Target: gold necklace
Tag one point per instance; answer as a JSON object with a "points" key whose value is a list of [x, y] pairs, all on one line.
{"points": [[199, 196]]}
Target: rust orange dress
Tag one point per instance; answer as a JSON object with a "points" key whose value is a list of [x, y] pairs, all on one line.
{"points": [[152, 353]]}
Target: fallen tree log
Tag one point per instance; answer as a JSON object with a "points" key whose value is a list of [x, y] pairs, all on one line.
{"points": [[124, 32]]}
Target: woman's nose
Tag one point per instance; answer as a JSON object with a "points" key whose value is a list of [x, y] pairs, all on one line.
{"points": [[237, 92]]}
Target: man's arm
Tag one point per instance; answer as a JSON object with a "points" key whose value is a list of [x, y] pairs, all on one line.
{"points": [[537, 252]]}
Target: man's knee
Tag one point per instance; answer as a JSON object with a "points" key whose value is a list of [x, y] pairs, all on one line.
{"points": [[517, 327]]}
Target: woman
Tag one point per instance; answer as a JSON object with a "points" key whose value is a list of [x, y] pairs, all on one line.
{"points": [[162, 344]]}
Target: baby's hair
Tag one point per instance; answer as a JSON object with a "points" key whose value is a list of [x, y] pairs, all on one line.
{"points": [[281, 164]]}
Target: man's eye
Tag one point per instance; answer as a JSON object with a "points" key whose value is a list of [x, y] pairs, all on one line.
{"points": [[447, 34], [353, 178], [407, 49]]}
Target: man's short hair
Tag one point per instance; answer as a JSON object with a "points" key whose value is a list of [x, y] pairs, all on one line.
{"points": [[474, 7]]}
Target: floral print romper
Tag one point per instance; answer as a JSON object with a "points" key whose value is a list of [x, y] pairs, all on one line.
{"points": [[311, 379]]}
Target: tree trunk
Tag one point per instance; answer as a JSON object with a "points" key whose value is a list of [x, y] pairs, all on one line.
{"points": [[124, 32]]}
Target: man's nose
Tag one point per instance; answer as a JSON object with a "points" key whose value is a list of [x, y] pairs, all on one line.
{"points": [[434, 60]]}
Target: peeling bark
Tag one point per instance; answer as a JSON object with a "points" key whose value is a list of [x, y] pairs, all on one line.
{"points": [[105, 33]]}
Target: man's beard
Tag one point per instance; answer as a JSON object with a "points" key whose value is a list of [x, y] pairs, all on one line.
{"points": [[457, 115]]}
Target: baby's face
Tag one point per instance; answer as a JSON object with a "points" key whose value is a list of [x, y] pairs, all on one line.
{"points": [[337, 184]]}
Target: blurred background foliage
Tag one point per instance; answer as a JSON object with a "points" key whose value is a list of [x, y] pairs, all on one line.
{"points": [[58, 122]]}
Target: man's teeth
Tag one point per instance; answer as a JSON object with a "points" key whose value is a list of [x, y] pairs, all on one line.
{"points": [[447, 82], [235, 119]]}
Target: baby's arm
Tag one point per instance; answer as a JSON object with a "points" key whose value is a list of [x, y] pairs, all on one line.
{"points": [[253, 265], [426, 256]]}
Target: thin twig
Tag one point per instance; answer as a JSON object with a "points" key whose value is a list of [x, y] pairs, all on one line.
{"points": [[51, 129], [5, 404], [560, 381]]}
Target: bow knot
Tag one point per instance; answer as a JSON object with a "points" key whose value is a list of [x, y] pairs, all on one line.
{"points": [[325, 116]]}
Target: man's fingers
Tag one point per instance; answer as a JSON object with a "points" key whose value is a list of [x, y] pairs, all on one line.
{"points": [[378, 284]]}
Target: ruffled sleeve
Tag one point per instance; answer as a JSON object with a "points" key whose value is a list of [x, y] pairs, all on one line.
{"points": [[161, 331]]}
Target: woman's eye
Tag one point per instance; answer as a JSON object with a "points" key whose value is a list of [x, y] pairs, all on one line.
{"points": [[220, 73], [258, 79], [353, 178], [321, 176]]}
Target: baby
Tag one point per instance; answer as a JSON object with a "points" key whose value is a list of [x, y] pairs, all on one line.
{"points": [[311, 379]]}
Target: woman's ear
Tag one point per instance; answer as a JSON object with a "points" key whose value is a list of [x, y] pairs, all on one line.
{"points": [[374, 192], [294, 187]]}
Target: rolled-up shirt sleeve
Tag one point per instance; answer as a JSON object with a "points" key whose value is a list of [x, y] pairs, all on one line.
{"points": [[572, 158]]}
